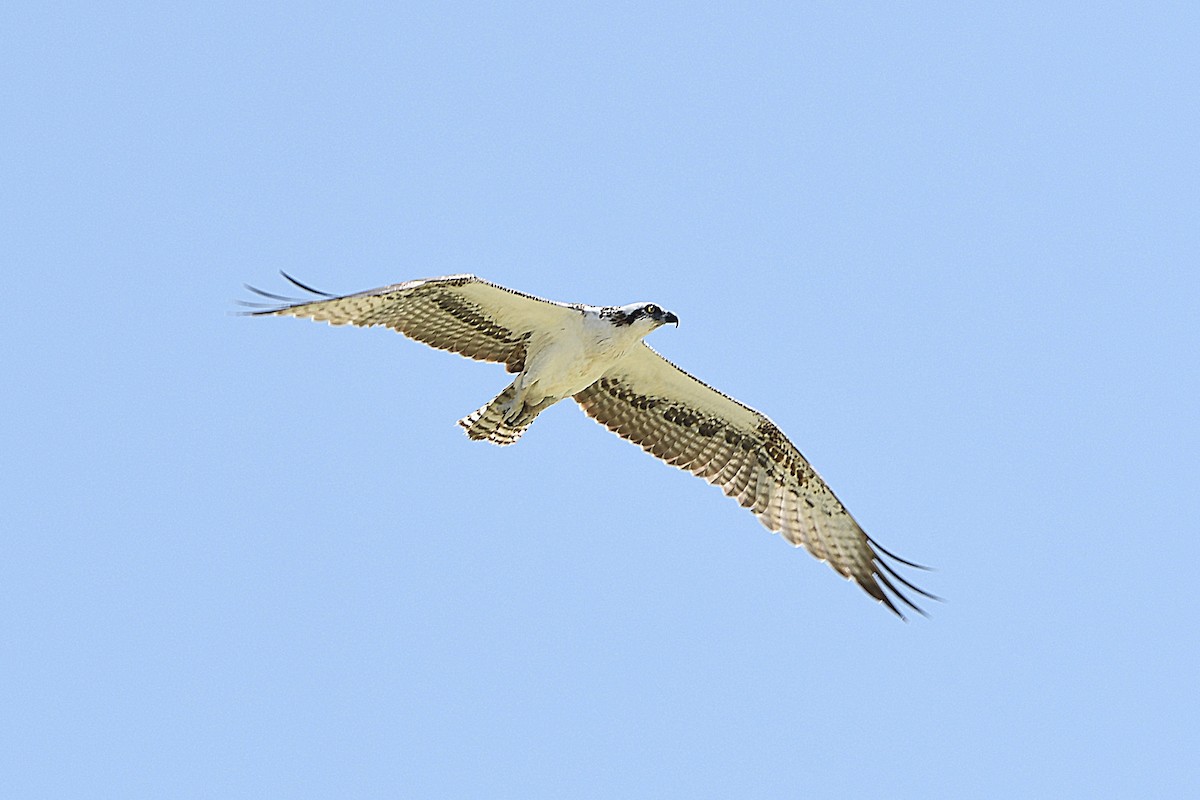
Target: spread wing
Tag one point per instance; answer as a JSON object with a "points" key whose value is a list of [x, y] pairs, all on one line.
{"points": [[460, 313], [651, 402]]}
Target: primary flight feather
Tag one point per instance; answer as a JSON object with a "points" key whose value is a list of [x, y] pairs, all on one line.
{"points": [[595, 355]]}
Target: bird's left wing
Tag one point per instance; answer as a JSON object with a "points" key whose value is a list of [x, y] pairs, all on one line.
{"points": [[460, 313], [687, 423]]}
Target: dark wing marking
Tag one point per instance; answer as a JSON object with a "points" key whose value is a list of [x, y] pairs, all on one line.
{"points": [[460, 313], [687, 423]]}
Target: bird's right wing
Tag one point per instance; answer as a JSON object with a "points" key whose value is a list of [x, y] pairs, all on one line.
{"points": [[688, 424], [460, 313]]}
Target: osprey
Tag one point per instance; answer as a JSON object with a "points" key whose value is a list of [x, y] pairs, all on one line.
{"points": [[595, 355]]}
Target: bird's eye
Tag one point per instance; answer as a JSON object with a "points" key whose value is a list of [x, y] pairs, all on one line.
{"points": [[652, 310]]}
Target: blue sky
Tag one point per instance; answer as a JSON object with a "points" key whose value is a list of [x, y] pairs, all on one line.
{"points": [[952, 250]]}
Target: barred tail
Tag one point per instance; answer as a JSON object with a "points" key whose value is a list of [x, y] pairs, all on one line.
{"points": [[489, 423]]}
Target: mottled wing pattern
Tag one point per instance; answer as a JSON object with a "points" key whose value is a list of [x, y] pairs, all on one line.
{"points": [[460, 313], [670, 414]]}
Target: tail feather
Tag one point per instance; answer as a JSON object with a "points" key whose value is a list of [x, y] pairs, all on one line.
{"points": [[488, 423]]}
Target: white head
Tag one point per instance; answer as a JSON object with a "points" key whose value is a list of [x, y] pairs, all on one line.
{"points": [[640, 316]]}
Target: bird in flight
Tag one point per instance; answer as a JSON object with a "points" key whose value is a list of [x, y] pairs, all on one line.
{"points": [[596, 356]]}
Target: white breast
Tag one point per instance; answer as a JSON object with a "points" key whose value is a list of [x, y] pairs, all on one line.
{"points": [[564, 362]]}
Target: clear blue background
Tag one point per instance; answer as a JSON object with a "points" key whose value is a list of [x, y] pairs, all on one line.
{"points": [[952, 250]]}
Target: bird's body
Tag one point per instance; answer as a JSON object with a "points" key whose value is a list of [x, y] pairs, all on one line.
{"points": [[595, 354], [571, 357]]}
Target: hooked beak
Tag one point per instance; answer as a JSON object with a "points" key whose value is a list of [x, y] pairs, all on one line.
{"points": [[669, 317]]}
